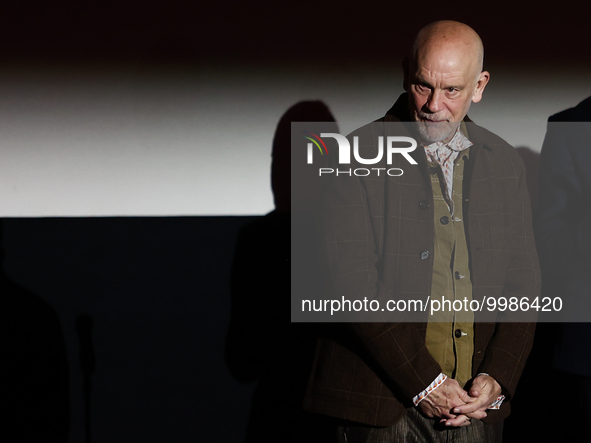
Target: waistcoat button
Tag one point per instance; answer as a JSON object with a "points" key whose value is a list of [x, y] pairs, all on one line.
{"points": [[424, 204]]}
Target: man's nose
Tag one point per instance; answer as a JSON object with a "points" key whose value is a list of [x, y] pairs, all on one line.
{"points": [[435, 102]]}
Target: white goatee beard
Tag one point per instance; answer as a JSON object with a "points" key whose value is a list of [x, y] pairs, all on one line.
{"points": [[436, 132]]}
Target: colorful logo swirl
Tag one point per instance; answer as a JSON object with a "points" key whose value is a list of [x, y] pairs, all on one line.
{"points": [[316, 143]]}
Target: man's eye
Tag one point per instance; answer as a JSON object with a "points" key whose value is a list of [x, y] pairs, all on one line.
{"points": [[452, 90]]}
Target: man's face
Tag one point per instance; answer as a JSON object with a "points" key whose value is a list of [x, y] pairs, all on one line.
{"points": [[442, 83]]}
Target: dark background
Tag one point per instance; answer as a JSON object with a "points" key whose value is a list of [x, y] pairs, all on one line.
{"points": [[164, 31], [157, 289]]}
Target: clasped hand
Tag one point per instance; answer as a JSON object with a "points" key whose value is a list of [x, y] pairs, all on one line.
{"points": [[456, 407]]}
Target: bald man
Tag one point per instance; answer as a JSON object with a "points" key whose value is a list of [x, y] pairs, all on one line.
{"points": [[456, 226]]}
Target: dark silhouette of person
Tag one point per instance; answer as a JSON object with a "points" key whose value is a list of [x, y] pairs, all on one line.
{"points": [[262, 344], [563, 222], [529, 404], [34, 386]]}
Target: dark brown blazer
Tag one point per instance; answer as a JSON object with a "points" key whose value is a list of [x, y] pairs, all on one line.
{"points": [[377, 230]]}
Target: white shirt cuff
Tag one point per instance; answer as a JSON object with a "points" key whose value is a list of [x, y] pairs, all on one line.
{"points": [[497, 403]]}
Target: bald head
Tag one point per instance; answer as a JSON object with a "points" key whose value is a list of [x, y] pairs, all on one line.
{"points": [[443, 77], [449, 39]]}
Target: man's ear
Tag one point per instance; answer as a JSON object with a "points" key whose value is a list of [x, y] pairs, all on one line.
{"points": [[483, 79], [405, 72]]}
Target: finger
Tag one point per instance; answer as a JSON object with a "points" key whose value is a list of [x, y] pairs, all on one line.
{"points": [[481, 403], [465, 397], [480, 414], [478, 390], [459, 421], [447, 414], [460, 394]]}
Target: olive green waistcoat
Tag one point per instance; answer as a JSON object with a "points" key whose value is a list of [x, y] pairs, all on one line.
{"points": [[450, 337]]}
